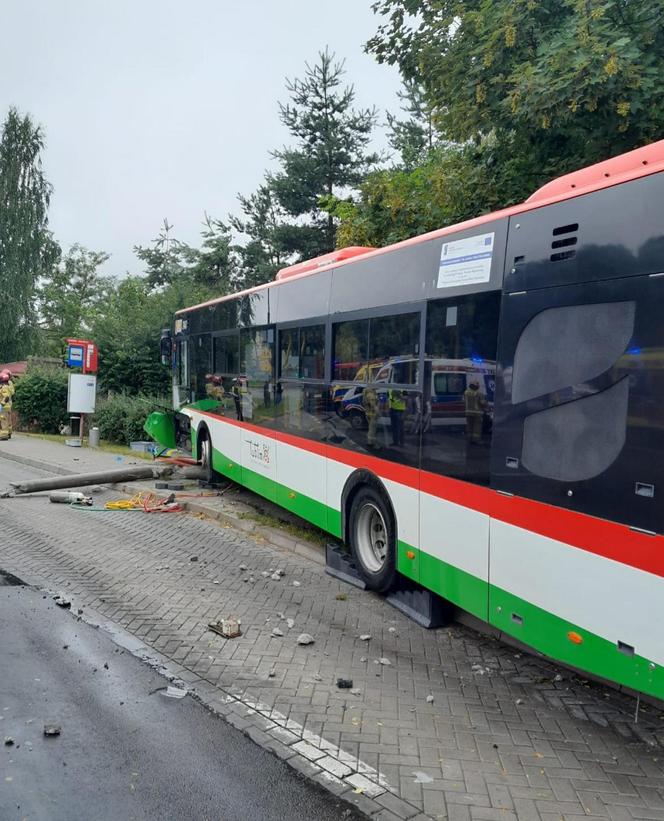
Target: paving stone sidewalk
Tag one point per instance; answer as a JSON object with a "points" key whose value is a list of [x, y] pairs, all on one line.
{"points": [[457, 726]]}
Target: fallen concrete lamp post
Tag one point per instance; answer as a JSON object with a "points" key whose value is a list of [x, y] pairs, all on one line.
{"points": [[104, 477]]}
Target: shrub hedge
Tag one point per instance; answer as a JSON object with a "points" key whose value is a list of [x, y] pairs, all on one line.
{"points": [[41, 403], [120, 418], [41, 399]]}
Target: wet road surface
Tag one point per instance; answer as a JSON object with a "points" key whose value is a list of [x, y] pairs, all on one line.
{"points": [[125, 751]]}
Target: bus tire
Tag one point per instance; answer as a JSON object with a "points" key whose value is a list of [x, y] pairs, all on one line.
{"points": [[372, 537], [205, 458]]}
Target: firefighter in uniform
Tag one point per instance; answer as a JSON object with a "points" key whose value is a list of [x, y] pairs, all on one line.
{"points": [[474, 402], [6, 394]]}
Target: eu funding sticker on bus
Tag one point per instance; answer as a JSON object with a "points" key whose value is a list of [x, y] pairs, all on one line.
{"points": [[466, 261]]}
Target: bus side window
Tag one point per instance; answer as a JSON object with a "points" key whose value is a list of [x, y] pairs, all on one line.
{"points": [[459, 368]]}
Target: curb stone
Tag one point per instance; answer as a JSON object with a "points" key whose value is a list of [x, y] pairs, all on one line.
{"points": [[267, 730], [240, 714]]}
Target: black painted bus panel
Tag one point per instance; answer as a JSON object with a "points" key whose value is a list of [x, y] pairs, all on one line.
{"points": [[612, 233], [600, 440]]}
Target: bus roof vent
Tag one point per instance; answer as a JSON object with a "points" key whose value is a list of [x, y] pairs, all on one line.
{"points": [[319, 262], [617, 169]]}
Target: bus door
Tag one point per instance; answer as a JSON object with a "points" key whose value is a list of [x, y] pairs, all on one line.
{"points": [[256, 402], [578, 444]]}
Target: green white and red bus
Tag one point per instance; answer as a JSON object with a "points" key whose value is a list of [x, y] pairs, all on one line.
{"points": [[505, 447]]}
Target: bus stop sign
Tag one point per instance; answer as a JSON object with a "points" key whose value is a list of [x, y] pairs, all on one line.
{"points": [[81, 353]]}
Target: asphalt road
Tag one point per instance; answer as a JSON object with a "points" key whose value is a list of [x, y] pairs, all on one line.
{"points": [[125, 751]]}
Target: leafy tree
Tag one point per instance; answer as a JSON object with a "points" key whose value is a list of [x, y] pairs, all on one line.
{"points": [[27, 249], [330, 155], [263, 252], [453, 184], [567, 82], [73, 295], [164, 259], [415, 137], [128, 338], [212, 265]]}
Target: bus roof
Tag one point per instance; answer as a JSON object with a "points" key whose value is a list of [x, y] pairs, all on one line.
{"points": [[632, 165]]}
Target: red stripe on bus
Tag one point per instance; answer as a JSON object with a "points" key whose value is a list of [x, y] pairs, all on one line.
{"points": [[610, 540]]}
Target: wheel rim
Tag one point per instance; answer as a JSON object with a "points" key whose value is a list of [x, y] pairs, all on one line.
{"points": [[371, 537]]}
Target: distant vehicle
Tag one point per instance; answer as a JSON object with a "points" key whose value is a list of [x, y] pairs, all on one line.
{"points": [[446, 381]]}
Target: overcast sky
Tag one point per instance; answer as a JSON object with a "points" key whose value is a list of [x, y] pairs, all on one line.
{"points": [[164, 108]]}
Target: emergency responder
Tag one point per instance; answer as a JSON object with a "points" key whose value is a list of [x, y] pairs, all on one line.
{"points": [[370, 406], [475, 405], [236, 393], [6, 394], [397, 402]]}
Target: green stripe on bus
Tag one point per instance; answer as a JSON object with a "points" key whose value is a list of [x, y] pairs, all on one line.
{"points": [[530, 624], [557, 638], [455, 585], [304, 506]]}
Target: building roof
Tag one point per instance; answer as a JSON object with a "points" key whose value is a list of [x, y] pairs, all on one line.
{"points": [[15, 368]]}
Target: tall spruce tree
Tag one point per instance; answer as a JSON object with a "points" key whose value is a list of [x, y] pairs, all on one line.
{"points": [[27, 249], [330, 156]]}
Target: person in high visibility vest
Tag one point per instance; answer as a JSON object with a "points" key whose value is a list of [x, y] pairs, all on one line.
{"points": [[6, 395], [475, 405], [397, 402]]}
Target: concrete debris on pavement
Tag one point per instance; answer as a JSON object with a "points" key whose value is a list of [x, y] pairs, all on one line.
{"points": [[9, 741], [62, 601], [290, 623], [277, 632], [365, 637], [228, 628], [51, 730], [430, 699], [173, 692], [384, 661], [304, 639], [296, 584]]}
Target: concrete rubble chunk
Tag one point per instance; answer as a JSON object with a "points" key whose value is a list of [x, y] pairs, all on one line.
{"points": [[384, 661], [290, 623], [296, 583], [173, 692], [277, 632], [430, 699], [51, 730], [275, 577], [243, 567], [365, 637], [305, 638]]}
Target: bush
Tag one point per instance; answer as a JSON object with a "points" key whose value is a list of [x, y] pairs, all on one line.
{"points": [[120, 418], [41, 399]]}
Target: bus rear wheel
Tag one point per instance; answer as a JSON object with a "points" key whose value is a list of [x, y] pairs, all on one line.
{"points": [[373, 540], [206, 458]]}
